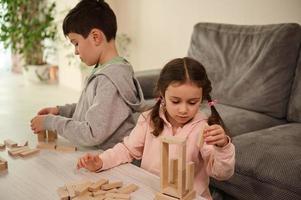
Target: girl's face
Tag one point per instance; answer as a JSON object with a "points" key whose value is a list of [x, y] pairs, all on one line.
{"points": [[85, 48], [182, 102]]}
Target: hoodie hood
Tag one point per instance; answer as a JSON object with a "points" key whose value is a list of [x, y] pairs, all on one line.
{"points": [[122, 76]]}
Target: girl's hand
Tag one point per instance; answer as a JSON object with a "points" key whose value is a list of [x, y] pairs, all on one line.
{"points": [[49, 110], [92, 162], [215, 135]]}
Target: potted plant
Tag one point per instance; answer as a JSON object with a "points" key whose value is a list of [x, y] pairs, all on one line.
{"points": [[25, 25]]}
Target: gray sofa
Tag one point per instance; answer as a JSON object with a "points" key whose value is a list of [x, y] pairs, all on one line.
{"points": [[256, 77]]}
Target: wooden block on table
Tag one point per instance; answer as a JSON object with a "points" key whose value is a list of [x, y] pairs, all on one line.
{"points": [[65, 148], [3, 164], [17, 151], [111, 185], [42, 136], [189, 176], [99, 193], [10, 143], [70, 190], [29, 152], [82, 188], [128, 189], [117, 196], [52, 136], [45, 145], [96, 186], [23, 144], [2, 146], [100, 197], [63, 193]]}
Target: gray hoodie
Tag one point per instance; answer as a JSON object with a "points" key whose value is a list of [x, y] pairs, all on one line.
{"points": [[104, 113]]}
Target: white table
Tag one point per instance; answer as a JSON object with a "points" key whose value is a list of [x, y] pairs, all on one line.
{"points": [[38, 176]]}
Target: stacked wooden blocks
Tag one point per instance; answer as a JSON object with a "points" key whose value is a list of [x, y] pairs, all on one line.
{"points": [[99, 190], [47, 140], [3, 165], [176, 176], [21, 149]]}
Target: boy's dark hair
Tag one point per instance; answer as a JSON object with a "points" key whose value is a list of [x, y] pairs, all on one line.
{"points": [[182, 70], [89, 14]]}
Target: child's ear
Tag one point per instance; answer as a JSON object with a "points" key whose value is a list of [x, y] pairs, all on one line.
{"points": [[98, 36]]}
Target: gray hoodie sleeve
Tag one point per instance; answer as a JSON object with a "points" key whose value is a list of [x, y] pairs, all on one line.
{"points": [[67, 110], [103, 117]]}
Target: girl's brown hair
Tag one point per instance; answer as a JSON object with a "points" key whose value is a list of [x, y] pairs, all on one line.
{"points": [[182, 70]]}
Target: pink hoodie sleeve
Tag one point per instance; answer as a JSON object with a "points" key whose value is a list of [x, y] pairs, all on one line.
{"points": [[131, 147], [219, 161]]}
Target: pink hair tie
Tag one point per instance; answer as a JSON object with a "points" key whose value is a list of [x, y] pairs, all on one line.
{"points": [[212, 103]]}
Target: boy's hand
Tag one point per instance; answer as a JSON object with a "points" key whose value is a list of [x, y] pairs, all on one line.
{"points": [[215, 135], [49, 110], [92, 162], [37, 123]]}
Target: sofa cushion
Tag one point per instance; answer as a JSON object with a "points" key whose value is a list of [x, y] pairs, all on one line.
{"points": [[240, 121], [294, 106], [267, 164], [148, 80], [251, 67]]}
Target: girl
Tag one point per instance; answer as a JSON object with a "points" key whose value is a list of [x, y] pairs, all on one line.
{"points": [[182, 86]]}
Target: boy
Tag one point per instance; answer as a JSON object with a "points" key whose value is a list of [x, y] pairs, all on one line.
{"points": [[104, 113]]}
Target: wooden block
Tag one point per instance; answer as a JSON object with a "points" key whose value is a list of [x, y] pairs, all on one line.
{"points": [[10, 143], [82, 188], [160, 196], [100, 197], [17, 151], [190, 196], [3, 164], [99, 193], [63, 193], [96, 186], [42, 136], [2, 146], [173, 171], [128, 189], [52, 136], [70, 190], [164, 165], [201, 138], [45, 145], [66, 148], [29, 152], [23, 144], [111, 185], [117, 196], [173, 140], [190, 175]]}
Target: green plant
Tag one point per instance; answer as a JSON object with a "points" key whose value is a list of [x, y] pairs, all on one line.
{"points": [[24, 27]]}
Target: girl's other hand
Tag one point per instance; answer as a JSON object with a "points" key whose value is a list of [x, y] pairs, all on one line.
{"points": [[215, 135], [92, 162]]}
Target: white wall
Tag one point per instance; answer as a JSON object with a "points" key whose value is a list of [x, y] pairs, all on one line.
{"points": [[160, 29]]}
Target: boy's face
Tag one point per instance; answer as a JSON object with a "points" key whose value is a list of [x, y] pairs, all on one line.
{"points": [[182, 102], [85, 48]]}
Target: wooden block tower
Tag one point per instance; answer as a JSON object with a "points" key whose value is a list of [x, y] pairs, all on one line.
{"points": [[176, 176]]}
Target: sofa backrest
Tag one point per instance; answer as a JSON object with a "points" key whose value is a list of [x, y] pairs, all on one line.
{"points": [[148, 80], [294, 106], [250, 66]]}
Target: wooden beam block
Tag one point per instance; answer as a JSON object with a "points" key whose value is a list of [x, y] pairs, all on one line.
{"points": [[96, 186], [160, 196], [82, 188], [128, 189], [45, 145], [51, 136], [2, 146], [201, 138], [164, 165], [99, 193], [3, 164], [66, 148], [10, 143], [63, 193], [189, 175], [17, 151], [42, 136], [173, 140], [173, 171], [100, 198], [23, 144], [70, 190], [117, 196], [111, 185], [29, 152]]}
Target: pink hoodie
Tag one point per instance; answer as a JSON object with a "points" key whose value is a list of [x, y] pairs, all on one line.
{"points": [[210, 160]]}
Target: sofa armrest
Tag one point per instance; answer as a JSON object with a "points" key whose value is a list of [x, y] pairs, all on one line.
{"points": [[148, 80]]}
